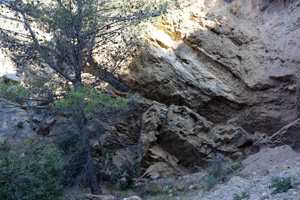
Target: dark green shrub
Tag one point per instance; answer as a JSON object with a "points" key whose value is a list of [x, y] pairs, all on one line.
{"points": [[238, 165], [281, 184], [215, 171], [108, 171], [105, 168], [75, 166], [29, 170], [244, 195], [210, 182], [128, 171], [20, 125]]}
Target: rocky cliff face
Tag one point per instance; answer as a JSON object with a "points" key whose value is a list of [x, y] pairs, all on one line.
{"points": [[219, 76], [232, 62]]}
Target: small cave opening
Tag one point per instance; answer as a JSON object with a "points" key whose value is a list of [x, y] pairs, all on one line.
{"points": [[219, 110], [187, 154]]}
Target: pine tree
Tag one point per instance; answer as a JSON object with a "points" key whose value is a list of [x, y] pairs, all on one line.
{"points": [[67, 36]]}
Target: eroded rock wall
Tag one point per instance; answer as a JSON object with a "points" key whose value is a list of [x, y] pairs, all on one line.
{"points": [[175, 139], [234, 63], [220, 77]]}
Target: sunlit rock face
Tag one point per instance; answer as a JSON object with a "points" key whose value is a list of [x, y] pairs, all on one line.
{"points": [[233, 62]]}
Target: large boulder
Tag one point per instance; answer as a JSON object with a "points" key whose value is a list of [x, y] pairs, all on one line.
{"points": [[176, 140]]}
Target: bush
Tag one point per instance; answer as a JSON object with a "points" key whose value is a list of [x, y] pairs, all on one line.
{"points": [[128, 171], [210, 182], [244, 195], [215, 172], [236, 166], [20, 125], [12, 91], [105, 168], [29, 170], [281, 184], [124, 176]]}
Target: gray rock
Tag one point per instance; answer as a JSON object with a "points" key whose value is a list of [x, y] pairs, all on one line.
{"points": [[15, 123], [11, 77], [38, 117]]}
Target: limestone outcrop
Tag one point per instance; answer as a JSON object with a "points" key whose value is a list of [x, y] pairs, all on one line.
{"points": [[175, 140], [235, 63]]}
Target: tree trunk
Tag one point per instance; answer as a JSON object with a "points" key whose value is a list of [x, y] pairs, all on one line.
{"points": [[90, 170], [91, 174], [77, 84]]}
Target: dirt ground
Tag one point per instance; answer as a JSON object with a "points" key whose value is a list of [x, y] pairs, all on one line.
{"points": [[255, 178]]}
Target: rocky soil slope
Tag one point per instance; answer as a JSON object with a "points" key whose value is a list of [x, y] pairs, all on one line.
{"points": [[257, 175]]}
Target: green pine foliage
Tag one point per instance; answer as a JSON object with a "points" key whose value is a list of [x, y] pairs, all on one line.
{"points": [[88, 100], [12, 91], [30, 170]]}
